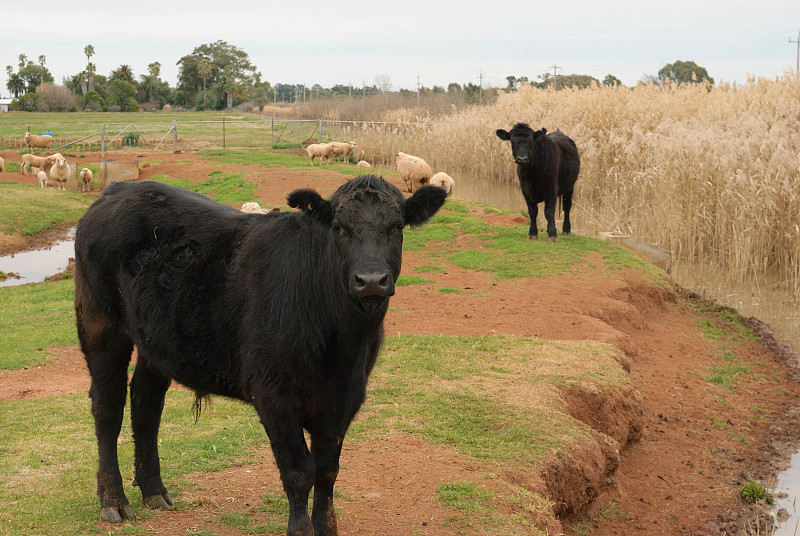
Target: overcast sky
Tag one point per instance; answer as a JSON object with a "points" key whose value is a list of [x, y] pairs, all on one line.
{"points": [[435, 43]]}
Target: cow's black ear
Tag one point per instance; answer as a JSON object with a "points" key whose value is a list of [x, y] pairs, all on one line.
{"points": [[421, 206], [310, 202], [539, 133], [502, 134]]}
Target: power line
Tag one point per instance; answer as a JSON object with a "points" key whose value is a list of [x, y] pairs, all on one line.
{"points": [[797, 61], [555, 75]]}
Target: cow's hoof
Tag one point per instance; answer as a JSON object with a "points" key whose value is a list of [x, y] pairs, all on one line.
{"points": [[553, 239], [533, 237], [116, 514], [159, 502]]}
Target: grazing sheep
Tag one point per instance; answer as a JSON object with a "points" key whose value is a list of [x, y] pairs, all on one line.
{"points": [[343, 149], [86, 179], [60, 172], [413, 169], [42, 179], [363, 163], [40, 142], [322, 150], [251, 207], [2, 165], [444, 181]]}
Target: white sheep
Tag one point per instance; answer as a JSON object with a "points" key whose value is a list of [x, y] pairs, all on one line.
{"points": [[38, 141], [30, 161], [86, 179], [322, 150], [42, 179], [413, 169], [251, 207], [444, 181], [60, 172], [343, 149], [363, 163], [2, 165]]}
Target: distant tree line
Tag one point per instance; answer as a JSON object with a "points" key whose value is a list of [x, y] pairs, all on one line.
{"points": [[219, 75]]}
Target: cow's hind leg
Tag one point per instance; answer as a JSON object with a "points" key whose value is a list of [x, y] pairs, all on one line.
{"points": [[294, 461], [147, 402], [550, 216], [108, 356], [566, 203]]}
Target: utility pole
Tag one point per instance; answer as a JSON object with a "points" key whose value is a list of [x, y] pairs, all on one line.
{"points": [[555, 74], [417, 90], [363, 88], [480, 77], [797, 61]]}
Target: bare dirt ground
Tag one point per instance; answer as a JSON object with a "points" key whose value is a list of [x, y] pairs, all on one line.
{"points": [[697, 442]]}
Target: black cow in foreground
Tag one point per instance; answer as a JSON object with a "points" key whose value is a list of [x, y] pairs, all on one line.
{"points": [[547, 166], [283, 311]]}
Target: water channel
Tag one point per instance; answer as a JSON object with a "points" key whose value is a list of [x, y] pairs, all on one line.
{"points": [[34, 266]]}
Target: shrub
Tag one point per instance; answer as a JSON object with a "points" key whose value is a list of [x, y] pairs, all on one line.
{"points": [[752, 491]]}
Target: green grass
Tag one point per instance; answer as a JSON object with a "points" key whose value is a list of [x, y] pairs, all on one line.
{"points": [[505, 252], [218, 186], [465, 496], [48, 458], [29, 210], [408, 280], [33, 319]]}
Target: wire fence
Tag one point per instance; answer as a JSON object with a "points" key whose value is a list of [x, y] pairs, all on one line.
{"points": [[181, 136]]}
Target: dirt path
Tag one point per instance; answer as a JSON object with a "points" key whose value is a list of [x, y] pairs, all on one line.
{"points": [[697, 445]]}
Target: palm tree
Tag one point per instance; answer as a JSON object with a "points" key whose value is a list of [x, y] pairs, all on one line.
{"points": [[41, 64], [154, 69], [204, 70], [88, 51], [15, 84], [123, 72], [90, 70]]}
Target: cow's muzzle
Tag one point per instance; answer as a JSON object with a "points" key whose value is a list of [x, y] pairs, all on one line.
{"points": [[521, 159], [373, 285]]}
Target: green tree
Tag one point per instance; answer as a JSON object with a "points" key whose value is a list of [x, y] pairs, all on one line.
{"points": [[123, 72], [34, 75], [684, 72], [204, 71], [121, 93], [150, 83], [14, 82], [611, 80], [231, 70]]}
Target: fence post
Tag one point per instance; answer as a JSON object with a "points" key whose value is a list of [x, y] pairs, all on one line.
{"points": [[320, 130], [103, 140], [272, 134], [174, 136], [223, 132]]}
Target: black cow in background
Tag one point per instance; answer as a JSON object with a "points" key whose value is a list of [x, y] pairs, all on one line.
{"points": [[547, 166], [283, 311]]}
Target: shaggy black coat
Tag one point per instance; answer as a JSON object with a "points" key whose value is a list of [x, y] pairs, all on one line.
{"points": [[283, 311], [547, 166]]}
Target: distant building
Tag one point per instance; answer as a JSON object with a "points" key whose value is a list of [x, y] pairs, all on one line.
{"points": [[4, 104]]}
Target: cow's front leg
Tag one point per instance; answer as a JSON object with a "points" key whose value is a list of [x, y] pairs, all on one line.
{"points": [[325, 449], [294, 461], [533, 213], [550, 216]]}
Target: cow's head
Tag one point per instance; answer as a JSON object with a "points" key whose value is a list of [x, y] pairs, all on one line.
{"points": [[365, 219], [523, 141]]}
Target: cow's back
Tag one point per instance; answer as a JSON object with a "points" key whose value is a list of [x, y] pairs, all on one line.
{"points": [[569, 163]]}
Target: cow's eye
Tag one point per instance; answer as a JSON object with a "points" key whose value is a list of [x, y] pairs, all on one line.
{"points": [[337, 227], [399, 226]]}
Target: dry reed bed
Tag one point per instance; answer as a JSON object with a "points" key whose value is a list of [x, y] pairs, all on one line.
{"points": [[710, 174]]}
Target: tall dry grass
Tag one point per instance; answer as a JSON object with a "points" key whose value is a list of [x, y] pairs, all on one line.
{"points": [[710, 174]]}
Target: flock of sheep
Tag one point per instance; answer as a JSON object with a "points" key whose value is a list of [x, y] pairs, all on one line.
{"points": [[53, 167], [412, 169]]}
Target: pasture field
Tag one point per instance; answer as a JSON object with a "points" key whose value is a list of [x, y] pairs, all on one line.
{"points": [[499, 405]]}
